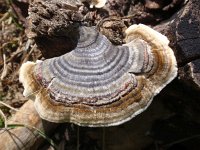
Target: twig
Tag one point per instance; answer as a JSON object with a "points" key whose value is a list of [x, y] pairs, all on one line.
{"points": [[5, 69], [9, 106], [14, 53], [24, 59], [4, 16], [17, 110], [27, 56], [128, 17]]}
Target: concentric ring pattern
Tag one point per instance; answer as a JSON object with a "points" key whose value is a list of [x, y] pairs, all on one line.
{"points": [[100, 84], [94, 73]]}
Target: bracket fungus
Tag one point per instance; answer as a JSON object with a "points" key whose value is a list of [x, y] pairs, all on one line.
{"points": [[100, 84]]}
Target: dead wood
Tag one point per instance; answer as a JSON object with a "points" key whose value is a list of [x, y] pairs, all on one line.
{"points": [[25, 137], [183, 31]]}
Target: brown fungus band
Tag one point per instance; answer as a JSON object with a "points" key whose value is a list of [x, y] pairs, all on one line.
{"points": [[98, 83]]}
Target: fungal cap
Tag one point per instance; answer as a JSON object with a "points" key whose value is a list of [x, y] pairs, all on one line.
{"points": [[96, 3], [162, 43], [99, 84], [27, 79], [141, 28]]}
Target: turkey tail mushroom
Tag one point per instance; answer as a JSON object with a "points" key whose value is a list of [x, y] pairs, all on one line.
{"points": [[165, 68], [98, 83]]}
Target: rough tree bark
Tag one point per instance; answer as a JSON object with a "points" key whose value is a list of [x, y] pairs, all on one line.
{"points": [[183, 31]]}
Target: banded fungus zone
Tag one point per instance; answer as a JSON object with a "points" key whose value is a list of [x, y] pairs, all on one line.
{"points": [[97, 83]]}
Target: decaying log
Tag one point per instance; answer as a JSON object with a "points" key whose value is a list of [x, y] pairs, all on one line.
{"points": [[190, 73], [54, 25], [22, 138], [183, 32]]}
